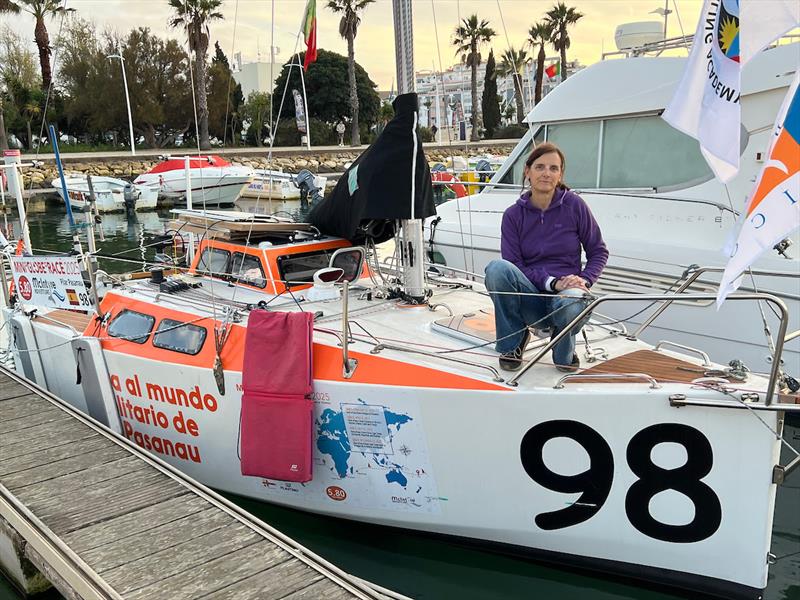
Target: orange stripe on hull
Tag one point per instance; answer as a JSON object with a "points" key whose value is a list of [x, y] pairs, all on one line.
{"points": [[372, 370]]}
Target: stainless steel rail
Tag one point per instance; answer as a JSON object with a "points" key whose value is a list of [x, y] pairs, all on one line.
{"points": [[592, 376], [695, 274], [669, 298]]}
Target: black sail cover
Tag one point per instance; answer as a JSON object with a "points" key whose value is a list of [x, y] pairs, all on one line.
{"points": [[376, 190]]}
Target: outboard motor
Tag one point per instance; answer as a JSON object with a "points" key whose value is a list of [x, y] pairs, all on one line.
{"points": [[308, 187], [483, 168], [130, 194]]}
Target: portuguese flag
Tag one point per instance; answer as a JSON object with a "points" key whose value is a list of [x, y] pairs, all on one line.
{"points": [[310, 33], [552, 70]]}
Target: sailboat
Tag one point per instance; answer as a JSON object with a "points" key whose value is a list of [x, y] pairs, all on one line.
{"points": [[290, 366]]}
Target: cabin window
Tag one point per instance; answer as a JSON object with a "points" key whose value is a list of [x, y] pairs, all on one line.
{"points": [[514, 174], [580, 143], [132, 326], [179, 337], [246, 268], [299, 269], [646, 152], [213, 261]]}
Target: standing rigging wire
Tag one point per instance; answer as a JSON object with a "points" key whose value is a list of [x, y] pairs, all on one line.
{"points": [[271, 145], [517, 76], [230, 79], [466, 151], [449, 137], [44, 112], [680, 24]]}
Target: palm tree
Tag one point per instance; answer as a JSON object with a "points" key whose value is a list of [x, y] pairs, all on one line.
{"points": [[348, 28], [40, 9], [513, 62], [468, 38], [194, 16], [559, 18], [539, 34]]}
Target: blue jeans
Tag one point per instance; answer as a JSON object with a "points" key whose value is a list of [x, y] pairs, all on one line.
{"points": [[512, 312]]}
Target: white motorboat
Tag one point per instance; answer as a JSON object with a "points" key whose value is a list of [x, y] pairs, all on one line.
{"points": [[650, 463], [214, 181], [111, 194], [276, 185], [657, 202]]}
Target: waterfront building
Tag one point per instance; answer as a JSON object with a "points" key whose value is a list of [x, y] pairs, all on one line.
{"points": [[403, 45], [441, 93]]}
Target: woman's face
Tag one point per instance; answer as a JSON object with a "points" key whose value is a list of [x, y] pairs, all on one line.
{"points": [[545, 173]]}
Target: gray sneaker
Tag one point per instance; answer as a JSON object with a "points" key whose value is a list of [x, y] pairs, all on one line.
{"points": [[512, 361]]}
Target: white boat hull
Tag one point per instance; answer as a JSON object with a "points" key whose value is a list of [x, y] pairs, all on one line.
{"points": [[476, 464], [276, 185], [211, 186], [108, 191]]}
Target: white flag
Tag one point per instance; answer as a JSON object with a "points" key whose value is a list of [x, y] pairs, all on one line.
{"points": [[773, 210], [706, 103], [764, 21]]}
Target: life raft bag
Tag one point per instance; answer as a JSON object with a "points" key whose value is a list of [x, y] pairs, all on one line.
{"points": [[277, 414]]}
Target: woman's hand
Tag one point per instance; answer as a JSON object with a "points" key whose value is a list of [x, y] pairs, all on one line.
{"points": [[571, 281]]}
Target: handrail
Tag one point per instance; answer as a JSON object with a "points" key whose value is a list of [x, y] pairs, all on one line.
{"points": [[695, 274], [669, 298], [348, 364], [791, 336], [653, 383], [703, 355]]}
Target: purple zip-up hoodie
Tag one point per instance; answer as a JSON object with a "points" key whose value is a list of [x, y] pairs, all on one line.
{"points": [[546, 244]]}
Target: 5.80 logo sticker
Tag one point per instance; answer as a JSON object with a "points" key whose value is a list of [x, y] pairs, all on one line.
{"points": [[334, 492], [25, 288]]}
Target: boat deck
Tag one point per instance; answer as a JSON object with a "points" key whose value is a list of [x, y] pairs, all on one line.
{"points": [[103, 519]]}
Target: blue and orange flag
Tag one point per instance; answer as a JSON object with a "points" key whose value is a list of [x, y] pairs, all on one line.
{"points": [[310, 33], [773, 210]]}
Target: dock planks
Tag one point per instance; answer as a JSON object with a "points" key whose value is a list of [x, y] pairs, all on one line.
{"points": [[142, 530]]}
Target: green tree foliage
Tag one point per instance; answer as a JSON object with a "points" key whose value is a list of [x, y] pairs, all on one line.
{"points": [[513, 63], [40, 10], [328, 91], [559, 19], [225, 99], [540, 34], [256, 112], [157, 72], [348, 28], [193, 16], [490, 107], [17, 69], [16, 61]]}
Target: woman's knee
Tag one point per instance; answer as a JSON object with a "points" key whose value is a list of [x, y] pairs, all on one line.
{"points": [[497, 273]]}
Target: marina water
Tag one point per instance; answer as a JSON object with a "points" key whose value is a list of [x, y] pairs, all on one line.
{"points": [[413, 564]]}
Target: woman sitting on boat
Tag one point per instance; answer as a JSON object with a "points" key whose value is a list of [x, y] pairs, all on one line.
{"points": [[539, 280]]}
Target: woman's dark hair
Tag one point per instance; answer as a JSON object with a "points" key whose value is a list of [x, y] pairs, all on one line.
{"points": [[548, 148]]}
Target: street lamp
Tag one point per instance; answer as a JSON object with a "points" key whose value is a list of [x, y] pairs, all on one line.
{"points": [[127, 99]]}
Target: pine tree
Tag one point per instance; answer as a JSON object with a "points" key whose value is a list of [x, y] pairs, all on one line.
{"points": [[490, 107]]}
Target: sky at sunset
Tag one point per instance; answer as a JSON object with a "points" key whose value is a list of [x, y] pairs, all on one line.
{"points": [[251, 20]]}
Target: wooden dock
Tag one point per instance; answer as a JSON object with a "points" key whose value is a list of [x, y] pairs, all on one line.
{"points": [[100, 518]]}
